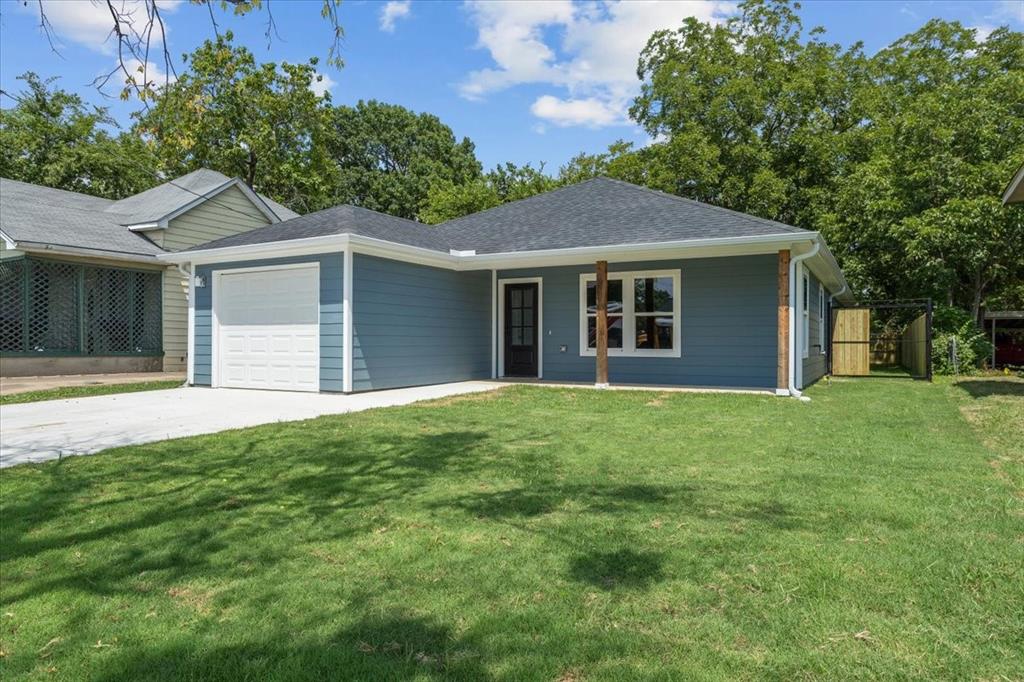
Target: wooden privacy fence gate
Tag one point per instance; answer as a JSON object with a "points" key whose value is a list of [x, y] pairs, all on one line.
{"points": [[851, 342], [885, 338]]}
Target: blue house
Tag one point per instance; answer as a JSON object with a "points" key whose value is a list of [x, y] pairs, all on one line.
{"points": [[348, 299]]}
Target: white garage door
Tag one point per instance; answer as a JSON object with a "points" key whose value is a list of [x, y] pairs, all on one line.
{"points": [[269, 334]]}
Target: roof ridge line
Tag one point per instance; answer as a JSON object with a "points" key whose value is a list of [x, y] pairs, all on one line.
{"points": [[532, 196], [703, 204]]}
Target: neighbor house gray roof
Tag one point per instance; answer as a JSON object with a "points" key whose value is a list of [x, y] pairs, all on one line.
{"points": [[596, 212], [344, 219], [42, 216], [163, 200]]}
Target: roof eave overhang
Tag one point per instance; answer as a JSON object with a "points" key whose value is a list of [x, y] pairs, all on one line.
{"points": [[690, 248], [79, 251]]}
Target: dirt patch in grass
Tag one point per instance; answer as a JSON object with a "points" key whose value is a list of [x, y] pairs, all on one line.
{"points": [[195, 599]]}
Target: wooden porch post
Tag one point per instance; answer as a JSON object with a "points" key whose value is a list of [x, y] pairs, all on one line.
{"points": [[602, 324], [782, 382]]}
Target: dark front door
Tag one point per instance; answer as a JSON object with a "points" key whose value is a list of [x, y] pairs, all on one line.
{"points": [[521, 330]]}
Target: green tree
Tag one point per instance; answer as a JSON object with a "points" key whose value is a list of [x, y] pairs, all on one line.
{"points": [[259, 122], [508, 182], [749, 114], [50, 137], [388, 157], [945, 129]]}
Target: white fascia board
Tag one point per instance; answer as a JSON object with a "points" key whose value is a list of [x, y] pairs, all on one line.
{"points": [[146, 227], [59, 249], [11, 244], [689, 248], [291, 247]]}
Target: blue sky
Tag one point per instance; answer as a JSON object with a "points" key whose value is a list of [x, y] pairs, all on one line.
{"points": [[526, 81]]}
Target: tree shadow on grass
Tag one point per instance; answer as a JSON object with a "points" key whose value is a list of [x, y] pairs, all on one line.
{"points": [[215, 502], [624, 568], [982, 388], [388, 648]]}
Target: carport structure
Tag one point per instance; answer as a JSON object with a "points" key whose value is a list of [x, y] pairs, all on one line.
{"points": [[890, 338]]}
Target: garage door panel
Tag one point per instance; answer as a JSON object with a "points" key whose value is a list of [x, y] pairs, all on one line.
{"points": [[269, 329]]}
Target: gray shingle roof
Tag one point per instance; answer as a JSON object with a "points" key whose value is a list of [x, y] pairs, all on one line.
{"points": [[600, 212], [46, 216], [38, 215], [342, 219], [596, 212], [162, 200]]}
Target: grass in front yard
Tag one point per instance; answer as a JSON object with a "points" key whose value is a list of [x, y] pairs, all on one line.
{"points": [[536, 533], [86, 391]]}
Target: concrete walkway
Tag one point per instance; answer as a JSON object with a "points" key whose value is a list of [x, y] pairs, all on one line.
{"points": [[36, 432], [12, 385]]}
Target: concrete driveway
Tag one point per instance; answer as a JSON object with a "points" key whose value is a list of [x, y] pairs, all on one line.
{"points": [[36, 432]]}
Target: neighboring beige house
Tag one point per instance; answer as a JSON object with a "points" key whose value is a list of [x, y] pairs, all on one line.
{"points": [[81, 289]]}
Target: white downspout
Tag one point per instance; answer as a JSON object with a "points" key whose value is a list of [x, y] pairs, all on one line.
{"points": [[190, 356], [793, 262]]}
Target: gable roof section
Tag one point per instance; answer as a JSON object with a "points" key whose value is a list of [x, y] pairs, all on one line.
{"points": [[600, 212], [42, 216], [344, 219], [161, 203]]}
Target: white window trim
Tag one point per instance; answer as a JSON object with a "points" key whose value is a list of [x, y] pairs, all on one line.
{"points": [[805, 291], [215, 304], [629, 315], [500, 339], [823, 341]]}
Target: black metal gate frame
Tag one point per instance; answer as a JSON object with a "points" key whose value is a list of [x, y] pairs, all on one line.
{"points": [[893, 304]]}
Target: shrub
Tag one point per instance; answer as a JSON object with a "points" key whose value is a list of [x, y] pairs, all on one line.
{"points": [[954, 329]]}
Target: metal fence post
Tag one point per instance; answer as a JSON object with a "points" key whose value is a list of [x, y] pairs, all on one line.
{"points": [[928, 339]]}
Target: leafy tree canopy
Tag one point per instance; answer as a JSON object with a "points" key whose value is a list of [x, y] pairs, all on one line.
{"points": [[388, 158], [50, 137], [447, 200], [259, 122]]}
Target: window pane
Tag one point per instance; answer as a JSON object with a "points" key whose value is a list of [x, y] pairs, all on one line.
{"points": [[614, 331], [517, 298], [614, 296], [654, 332], [528, 297], [653, 294], [517, 317], [517, 336]]}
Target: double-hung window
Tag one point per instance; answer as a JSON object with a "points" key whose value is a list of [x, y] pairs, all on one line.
{"points": [[806, 336], [643, 313]]}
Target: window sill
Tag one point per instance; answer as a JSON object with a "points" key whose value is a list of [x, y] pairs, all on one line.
{"points": [[618, 353]]}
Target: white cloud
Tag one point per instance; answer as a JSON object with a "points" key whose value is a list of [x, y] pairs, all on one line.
{"points": [[88, 22], [982, 31], [588, 51], [590, 111], [148, 73], [323, 85], [392, 11]]}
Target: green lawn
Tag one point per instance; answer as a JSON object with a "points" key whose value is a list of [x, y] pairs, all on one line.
{"points": [[86, 391], [538, 533]]}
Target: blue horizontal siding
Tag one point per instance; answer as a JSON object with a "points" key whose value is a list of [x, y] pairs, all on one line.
{"points": [[414, 325], [729, 324], [332, 327]]}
